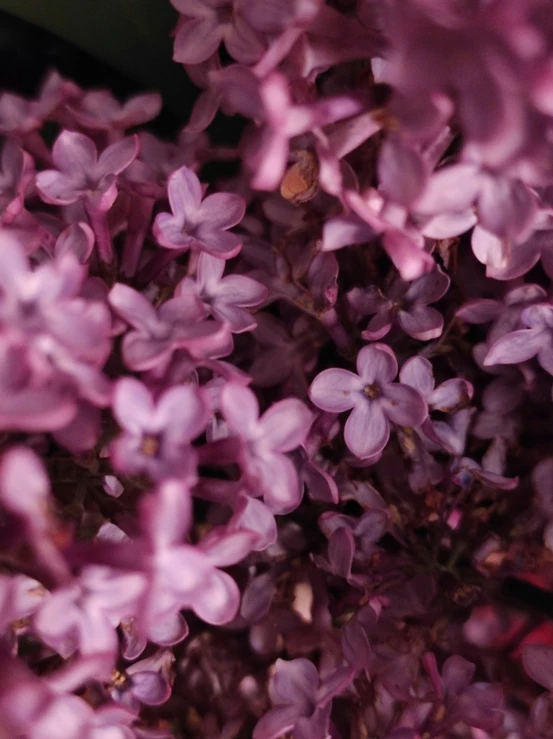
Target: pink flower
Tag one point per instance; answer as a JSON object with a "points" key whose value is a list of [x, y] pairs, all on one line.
{"points": [[226, 298], [197, 222], [376, 401], [265, 441], [156, 335], [157, 436], [205, 24], [81, 174]]}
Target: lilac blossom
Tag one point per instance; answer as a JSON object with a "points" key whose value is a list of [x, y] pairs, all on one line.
{"points": [[535, 340], [81, 174], [225, 297], [98, 110], [406, 304], [204, 24], [373, 398], [178, 324], [301, 700], [180, 575], [198, 222], [264, 442], [157, 435]]}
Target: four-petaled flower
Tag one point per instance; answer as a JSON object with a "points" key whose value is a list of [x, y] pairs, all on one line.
{"points": [[375, 400], [157, 436], [265, 440], [81, 174], [536, 340], [301, 700], [405, 304], [198, 222], [226, 298]]}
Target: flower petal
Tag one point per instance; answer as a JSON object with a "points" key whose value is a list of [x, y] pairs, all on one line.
{"points": [[222, 210], [376, 363], [518, 346], [286, 424], [404, 405], [185, 194], [367, 430], [336, 390], [217, 599]]}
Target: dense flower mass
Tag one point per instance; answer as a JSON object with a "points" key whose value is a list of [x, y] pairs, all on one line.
{"points": [[276, 450]]}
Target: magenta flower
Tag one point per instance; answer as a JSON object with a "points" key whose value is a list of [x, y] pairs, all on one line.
{"points": [[180, 575], [16, 173], [405, 304], [265, 441], [376, 401], [197, 222], [98, 110], [157, 436], [177, 324], [536, 340], [81, 174], [204, 24], [226, 298], [301, 700]]}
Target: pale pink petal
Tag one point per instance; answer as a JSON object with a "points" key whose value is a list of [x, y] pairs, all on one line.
{"points": [[336, 390], [74, 153], [376, 363], [286, 424], [222, 210], [367, 430], [240, 409], [417, 372], [404, 405], [117, 157], [185, 194], [133, 405], [422, 323], [197, 39], [217, 599], [518, 346]]}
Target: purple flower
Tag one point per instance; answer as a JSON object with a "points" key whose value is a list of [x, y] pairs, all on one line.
{"points": [[301, 700], [177, 324], [98, 110], [180, 575], [376, 401], [204, 24], [197, 222], [145, 682], [157, 436], [536, 340], [405, 304], [84, 615], [81, 174], [226, 298], [264, 442], [16, 173]]}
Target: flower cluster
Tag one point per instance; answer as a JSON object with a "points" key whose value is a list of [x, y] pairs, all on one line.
{"points": [[276, 449]]}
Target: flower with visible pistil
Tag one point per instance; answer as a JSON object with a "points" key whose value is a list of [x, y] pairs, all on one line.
{"points": [[197, 222], [375, 400], [157, 436]]}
